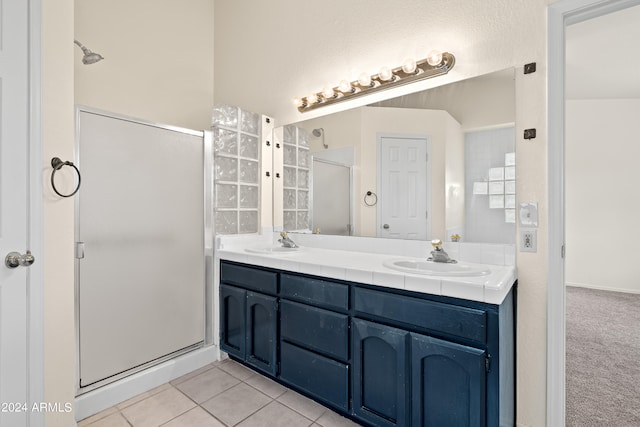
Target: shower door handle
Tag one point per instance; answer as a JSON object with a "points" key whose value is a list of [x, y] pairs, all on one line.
{"points": [[16, 259]]}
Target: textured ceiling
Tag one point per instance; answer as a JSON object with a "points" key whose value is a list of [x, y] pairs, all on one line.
{"points": [[603, 56]]}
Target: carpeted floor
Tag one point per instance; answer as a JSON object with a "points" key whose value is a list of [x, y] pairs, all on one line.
{"points": [[603, 358]]}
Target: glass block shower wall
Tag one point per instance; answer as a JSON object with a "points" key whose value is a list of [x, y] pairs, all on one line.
{"points": [[236, 146], [296, 177]]}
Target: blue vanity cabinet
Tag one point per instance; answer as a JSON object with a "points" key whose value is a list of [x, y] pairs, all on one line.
{"points": [[448, 383], [383, 357], [249, 316], [380, 371]]}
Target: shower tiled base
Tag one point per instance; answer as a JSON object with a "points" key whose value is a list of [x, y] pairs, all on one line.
{"points": [[220, 394]]}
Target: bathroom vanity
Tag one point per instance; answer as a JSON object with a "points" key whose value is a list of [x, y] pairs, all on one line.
{"points": [[382, 355]]}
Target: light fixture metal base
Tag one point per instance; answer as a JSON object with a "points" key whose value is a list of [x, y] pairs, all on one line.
{"points": [[400, 78]]}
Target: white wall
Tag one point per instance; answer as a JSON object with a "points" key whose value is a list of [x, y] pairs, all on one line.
{"points": [[158, 62], [479, 102], [269, 52], [602, 194], [58, 137]]}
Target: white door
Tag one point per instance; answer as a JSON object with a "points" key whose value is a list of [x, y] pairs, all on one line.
{"points": [[403, 190], [14, 214]]}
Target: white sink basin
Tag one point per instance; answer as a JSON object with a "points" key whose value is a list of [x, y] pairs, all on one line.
{"points": [[273, 250], [431, 268]]}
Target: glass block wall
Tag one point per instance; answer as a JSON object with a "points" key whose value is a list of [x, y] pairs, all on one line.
{"points": [[296, 179], [236, 173]]}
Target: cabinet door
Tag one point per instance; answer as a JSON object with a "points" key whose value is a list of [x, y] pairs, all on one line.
{"points": [[379, 373], [232, 320], [448, 383], [261, 331]]}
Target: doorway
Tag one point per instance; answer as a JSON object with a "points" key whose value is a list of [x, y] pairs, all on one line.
{"points": [[602, 297], [561, 15]]}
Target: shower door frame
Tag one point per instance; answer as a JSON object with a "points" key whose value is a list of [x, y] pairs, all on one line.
{"points": [[209, 236]]}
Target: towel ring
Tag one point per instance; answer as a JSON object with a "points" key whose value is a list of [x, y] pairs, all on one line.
{"points": [[57, 164], [370, 194]]}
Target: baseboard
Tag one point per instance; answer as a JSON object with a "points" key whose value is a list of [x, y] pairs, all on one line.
{"points": [[105, 397], [602, 288]]}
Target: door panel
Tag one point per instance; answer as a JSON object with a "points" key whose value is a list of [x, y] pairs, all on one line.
{"points": [[14, 214], [261, 331], [233, 320], [379, 372], [449, 383], [403, 188], [142, 226]]}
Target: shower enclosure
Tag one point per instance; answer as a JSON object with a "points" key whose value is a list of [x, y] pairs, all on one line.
{"points": [[142, 257]]}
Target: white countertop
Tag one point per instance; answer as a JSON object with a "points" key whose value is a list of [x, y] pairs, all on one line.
{"points": [[368, 268]]}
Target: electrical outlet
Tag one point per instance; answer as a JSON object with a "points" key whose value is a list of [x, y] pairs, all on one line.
{"points": [[528, 241]]}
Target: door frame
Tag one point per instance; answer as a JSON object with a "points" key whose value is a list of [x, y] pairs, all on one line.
{"points": [[35, 237], [429, 183], [560, 15]]}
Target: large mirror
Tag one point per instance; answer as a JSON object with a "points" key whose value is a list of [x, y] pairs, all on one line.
{"points": [[432, 164]]}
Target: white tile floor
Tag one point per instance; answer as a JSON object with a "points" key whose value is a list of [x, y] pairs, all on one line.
{"points": [[220, 394]]}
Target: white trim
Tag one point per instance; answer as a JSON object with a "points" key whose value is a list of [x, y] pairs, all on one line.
{"points": [[560, 14], [35, 274]]}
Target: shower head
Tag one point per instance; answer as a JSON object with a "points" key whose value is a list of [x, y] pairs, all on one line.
{"points": [[89, 57], [319, 132]]}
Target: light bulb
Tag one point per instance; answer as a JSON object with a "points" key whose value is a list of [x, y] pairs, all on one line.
{"points": [[364, 79], [385, 74], [312, 99], [328, 93], [297, 102], [344, 86], [409, 65], [434, 58]]}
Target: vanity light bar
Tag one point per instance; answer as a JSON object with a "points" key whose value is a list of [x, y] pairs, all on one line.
{"points": [[436, 64]]}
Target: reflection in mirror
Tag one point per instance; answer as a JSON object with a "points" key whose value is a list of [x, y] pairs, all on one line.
{"points": [[427, 165]]}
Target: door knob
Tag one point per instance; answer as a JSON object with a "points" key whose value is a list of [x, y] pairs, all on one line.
{"points": [[15, 259], [386, 226]]}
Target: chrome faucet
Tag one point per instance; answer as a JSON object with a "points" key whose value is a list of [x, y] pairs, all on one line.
{"points": [[286, 241], [438, 254]]}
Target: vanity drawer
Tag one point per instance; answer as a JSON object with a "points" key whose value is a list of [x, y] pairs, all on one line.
{"points": [[249, 278], [317, 375], [324, 293], [440, 317], [315, 328]]}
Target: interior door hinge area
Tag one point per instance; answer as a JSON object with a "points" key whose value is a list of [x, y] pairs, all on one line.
{"points": [[487, 363]]}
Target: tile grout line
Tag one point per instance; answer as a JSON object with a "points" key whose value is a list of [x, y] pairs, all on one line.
{"points": [[275, 399], [200, 406]]}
